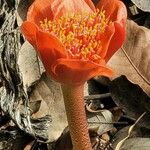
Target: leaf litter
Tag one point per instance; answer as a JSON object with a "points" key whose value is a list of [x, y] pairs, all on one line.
{"points": [[112, 105]]}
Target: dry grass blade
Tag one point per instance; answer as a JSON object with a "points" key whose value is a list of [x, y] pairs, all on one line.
{"points": [[129, 133]]}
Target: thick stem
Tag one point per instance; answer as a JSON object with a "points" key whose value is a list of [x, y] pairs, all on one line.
{"points": [[75, 110]]}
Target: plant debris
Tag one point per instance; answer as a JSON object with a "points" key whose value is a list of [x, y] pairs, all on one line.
{"points": [[29, 100]]}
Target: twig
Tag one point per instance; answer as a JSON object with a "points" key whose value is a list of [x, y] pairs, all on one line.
{"points": [[127, 117], [97, 96], [120, 123]]}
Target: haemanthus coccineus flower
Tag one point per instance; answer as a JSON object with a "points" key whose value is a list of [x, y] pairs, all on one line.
{"points": [[74, 41], [73, 38]]}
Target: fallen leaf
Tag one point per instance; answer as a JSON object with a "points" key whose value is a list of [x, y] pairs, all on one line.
{"points": [[100, 122], [133, 60], [29, 65], [136, 144], [137, 48], [142, 4], [131, 98], [50, 92], [118, 147], [121, 66], [138, 132]]}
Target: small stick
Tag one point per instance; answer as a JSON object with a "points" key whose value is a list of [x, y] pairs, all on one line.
{"points": [[97, 96], [127, 117], [119, 123]]}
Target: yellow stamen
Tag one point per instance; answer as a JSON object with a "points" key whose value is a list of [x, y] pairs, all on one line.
{"points": [[80, 33]]}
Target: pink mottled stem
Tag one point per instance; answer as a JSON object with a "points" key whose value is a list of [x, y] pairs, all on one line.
{"points": [[75, 110]]}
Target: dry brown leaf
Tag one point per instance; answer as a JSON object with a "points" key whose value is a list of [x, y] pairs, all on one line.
{"points": [[137, 47], [121, 66], [50, 92], [136, 143], [100, 122], [133, 60]]}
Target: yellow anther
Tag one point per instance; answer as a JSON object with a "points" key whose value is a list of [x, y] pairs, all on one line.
{"points": [[80, 33]]}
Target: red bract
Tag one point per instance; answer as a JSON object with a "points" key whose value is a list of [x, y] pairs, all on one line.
{"points": [[73, 38]]}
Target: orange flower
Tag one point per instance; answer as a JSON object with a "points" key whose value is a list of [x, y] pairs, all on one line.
{"points": [[73, 38], [74, 41]]}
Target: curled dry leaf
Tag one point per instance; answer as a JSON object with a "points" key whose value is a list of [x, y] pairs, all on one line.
{"points": [[29, 65], [50, 92], [133, 60]]}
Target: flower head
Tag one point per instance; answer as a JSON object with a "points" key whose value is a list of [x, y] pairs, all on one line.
{"points": [[73, 38]]}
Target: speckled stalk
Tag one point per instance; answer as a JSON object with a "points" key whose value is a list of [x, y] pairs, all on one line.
{"points": [[75, 110]]}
